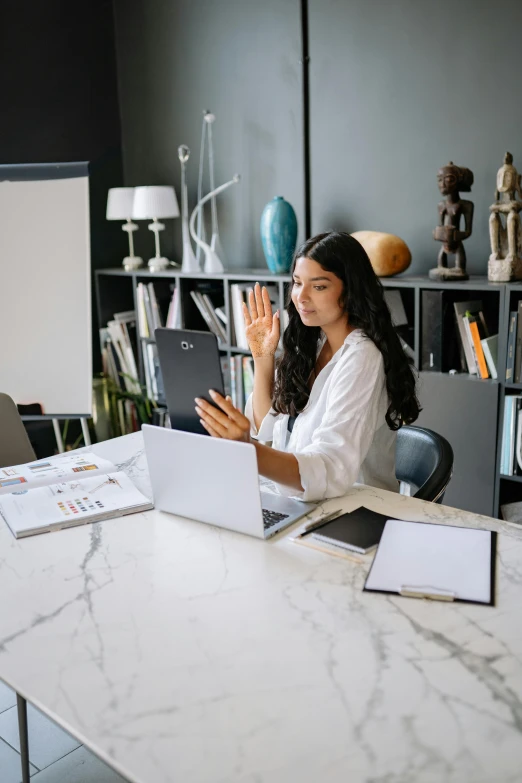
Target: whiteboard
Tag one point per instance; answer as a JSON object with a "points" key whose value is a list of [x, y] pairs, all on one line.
{"points": [[45, 287]]}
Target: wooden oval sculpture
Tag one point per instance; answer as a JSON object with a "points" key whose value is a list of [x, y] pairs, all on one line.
{"points": [[388, 254]]}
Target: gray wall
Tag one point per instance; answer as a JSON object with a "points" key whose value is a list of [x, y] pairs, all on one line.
{"points": [[237, 58], [397, 90]]}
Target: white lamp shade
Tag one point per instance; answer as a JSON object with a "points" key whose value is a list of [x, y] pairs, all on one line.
{"points": [[155, 201], [119, 203]]}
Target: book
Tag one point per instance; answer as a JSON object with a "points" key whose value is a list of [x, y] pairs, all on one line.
{"points": [[157, 321], [474, 306], [238, 336], [174, 313], [440, 350], [248, 376], [512, 335], [504, 451], [512, 405], [148, 311], [64, 491], [477, 346], [208, 315], [490, 348], [220, 331], [393, 299], [143, 327], [518, 345], [221, 314], [359, 530]]}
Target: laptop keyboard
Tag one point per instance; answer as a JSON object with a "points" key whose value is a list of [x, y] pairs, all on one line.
{"points": [[271, 518]]}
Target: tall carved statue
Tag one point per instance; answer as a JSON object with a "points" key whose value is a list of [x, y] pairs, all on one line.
{"points": [[452, 180], [505, 261]]}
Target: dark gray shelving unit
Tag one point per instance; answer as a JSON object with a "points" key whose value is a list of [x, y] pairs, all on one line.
{"points": [[466, 410]]}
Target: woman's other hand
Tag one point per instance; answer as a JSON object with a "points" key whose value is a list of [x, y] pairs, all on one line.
{"points": [[262, 328], [226, 421]]}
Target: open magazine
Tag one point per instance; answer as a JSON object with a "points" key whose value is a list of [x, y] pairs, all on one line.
{"points": [[64, 491]]}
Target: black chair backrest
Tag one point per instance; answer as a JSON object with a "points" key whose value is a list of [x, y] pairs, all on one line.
{"points": [[15, 446], [424, 460]]}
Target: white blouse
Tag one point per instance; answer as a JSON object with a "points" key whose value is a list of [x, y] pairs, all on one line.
{"points": [[341, 437]]}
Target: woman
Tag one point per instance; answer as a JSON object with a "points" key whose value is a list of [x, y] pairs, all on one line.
{"points": [[331, 405]]}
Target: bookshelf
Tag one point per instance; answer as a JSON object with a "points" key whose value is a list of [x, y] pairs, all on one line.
{"points": [[464, 409]]}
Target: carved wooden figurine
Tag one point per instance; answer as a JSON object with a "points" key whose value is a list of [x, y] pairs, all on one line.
{"points": [[453, 179], [505, 261]]}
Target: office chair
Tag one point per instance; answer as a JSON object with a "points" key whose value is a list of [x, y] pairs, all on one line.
{"points": [[424, 461], [15, 446]]}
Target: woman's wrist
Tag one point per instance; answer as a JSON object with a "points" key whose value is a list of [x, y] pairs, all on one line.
{"points": [[263, 361]]}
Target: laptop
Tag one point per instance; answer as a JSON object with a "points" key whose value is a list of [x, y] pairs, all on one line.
{"points": [[215, 481]]}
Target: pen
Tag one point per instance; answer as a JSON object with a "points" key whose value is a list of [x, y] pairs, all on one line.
{"points": [[318, 523]]}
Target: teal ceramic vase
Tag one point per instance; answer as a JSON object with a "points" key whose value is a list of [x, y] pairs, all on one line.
{"points": [[278, 234]]}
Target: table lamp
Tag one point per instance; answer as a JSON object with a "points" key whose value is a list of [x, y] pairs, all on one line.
{"points": [[150, 203], [119, 207]]}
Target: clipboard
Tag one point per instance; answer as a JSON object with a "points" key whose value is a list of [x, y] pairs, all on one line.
{"points": [[434, 561]]}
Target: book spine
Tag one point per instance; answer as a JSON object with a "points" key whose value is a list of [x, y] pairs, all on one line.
{"points": [[464, 340], [240, 400], [479, 353], [142, 313], [475, 370], [156, 314], [490, 359], [196, 296], [518, 344], [504, 462], [238, 319], [225, 370], [148, 312], [233, 381], [518, 448], [510, 362], [512, 433], [220, 331]]}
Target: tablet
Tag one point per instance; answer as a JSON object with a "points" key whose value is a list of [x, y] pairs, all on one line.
{"points": [[190, 366]]}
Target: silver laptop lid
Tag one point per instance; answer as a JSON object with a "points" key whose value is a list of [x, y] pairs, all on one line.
{"points": [[208, 479]]}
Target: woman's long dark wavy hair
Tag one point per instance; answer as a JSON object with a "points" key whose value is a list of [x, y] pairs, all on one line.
{"points": [[363, 300]]}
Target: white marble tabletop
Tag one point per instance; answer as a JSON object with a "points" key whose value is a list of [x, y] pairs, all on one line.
{"points": [[180, 652]]}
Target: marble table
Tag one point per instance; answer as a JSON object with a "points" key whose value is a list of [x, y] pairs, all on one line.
{"points": [[180, 652]]}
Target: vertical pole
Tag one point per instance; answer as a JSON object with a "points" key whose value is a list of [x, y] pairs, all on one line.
{"points": [[85, 430], [305, 63], [24, 737], [58, 436]]}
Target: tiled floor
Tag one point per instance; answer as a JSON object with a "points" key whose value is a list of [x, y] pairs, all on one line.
{"points": [[55, 756]]}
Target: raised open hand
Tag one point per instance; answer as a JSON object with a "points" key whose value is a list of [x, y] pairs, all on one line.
{"points": [[262, 327]]}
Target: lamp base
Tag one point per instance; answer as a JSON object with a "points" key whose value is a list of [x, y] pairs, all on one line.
{"points": [[130, 263], [158, 264]]}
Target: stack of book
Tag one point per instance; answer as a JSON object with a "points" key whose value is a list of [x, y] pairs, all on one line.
{"points": [[149, 314], [455, 336], [149, 319], [214, 317], [119, 362], [511, 451], [118, 346], [238, 378]]}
